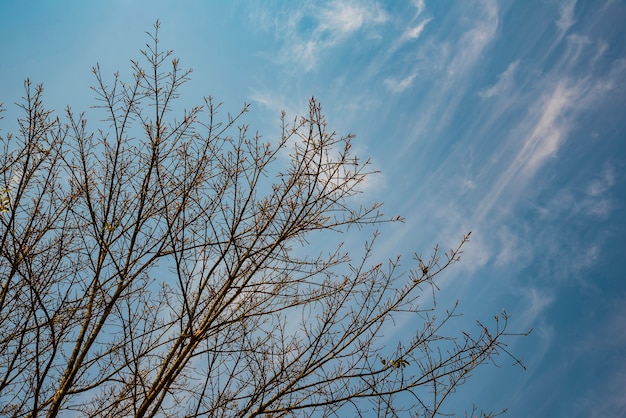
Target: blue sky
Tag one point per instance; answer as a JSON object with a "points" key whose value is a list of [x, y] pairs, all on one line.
{"points": [[505, 118]]}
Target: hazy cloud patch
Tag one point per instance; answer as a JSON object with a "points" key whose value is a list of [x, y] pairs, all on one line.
{"points": [[344, 17], [566, 16], [313, 28]]}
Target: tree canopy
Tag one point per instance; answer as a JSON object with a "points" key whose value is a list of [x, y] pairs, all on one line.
{"points": [[157, 263]]}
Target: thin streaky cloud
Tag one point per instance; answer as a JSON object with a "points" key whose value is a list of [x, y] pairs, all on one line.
{"points": [[513, 246], [332, 23], [452, 69], [536, 301], [566, 16], [419, 7], [549, 133], [548, 130], [410, 34], [398, 86], [502, 118], [344, 17], [473, 43], [414, 32], [505, 82]]}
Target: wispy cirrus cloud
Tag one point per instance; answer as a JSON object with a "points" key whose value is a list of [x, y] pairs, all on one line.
{"points": [[473, 42], [566, 17], [542, 110], [599, 186], [307, 32], [397, 86], [591, 200], [596, 202], [536, 301], [414, 32], [448, 62], [549, 132], [547, 129], [419, 7], [505, 83], [344, 17]]}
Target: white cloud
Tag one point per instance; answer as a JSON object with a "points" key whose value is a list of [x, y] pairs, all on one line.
{"points": [[477, 253], [504, 84], [566, 16], [449, 65], [548, 127], [588, 257], [599, 208], [268, 100], [473, 43], [467, 183], [514, 247], [419, 6], [305, 53], [549, 132], [328, 24], [536, 302], [276, 103], [599, 186], [401, 85], [414, 32], [540, 135], [343, 17], [591, 200], [596, 203]]}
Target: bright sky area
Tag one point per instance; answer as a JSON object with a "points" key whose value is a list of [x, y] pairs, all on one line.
{"points": [[504, 118]]}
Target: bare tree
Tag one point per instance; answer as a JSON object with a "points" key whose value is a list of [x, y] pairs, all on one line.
{"points": [[159, 267]]}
